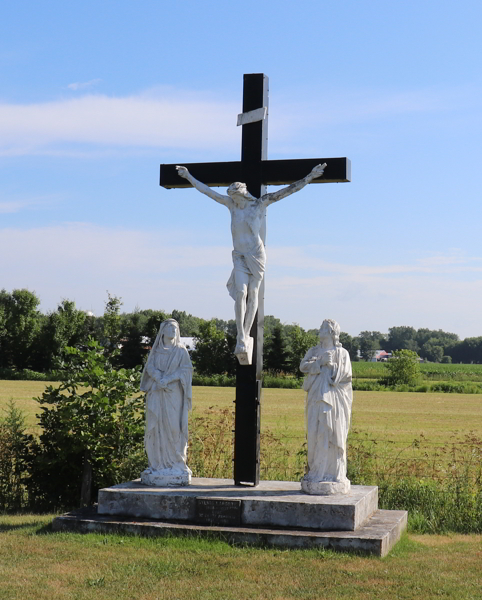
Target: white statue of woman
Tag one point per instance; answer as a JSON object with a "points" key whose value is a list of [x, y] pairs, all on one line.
{"points": [[167, 379], [327, 412]]}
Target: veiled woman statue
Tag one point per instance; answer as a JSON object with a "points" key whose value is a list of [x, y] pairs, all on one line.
{"points": [[327, 412], [167, 379]]}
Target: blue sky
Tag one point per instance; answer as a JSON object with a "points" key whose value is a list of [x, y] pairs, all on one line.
{"points": [[94, 96]]}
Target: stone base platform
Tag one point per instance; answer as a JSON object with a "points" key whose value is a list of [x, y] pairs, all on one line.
{"points": [[378, 536], [219, 502], [274, 513]]}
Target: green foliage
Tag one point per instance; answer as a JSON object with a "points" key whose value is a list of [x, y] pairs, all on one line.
{"points": [[133, 351], [369, 342], [467, 351], [96, 412], [14, 445], [299, 343], [28, 375], [351, 345], [217, 380], [211, 447], [189, 325], [213, 353], [403, 368], [432, 350], [401, 338], [32, 340], [154, 318], [441, 487], [112, 323], [275, 351], [20, 324], [434, 507], [64, 327], [286, 383]]}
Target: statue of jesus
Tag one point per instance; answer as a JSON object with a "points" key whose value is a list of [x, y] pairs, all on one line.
{"points": [[249, 257]]}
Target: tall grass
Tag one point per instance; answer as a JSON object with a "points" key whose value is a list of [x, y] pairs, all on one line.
{"points": [[439, 484]]}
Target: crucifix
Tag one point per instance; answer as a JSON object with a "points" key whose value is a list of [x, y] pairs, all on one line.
{"points": [[256, 172]]}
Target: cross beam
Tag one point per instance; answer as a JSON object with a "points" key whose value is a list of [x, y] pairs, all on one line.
{"points": [[271, 172], [256, 172]]}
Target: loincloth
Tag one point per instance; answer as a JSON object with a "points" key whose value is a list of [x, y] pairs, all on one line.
{"points": [[252, 263]]}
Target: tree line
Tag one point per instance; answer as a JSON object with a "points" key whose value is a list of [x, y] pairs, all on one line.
{"points": [[30, 339]]}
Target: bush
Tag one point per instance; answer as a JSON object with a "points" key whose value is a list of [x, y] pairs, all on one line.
{"points": [[27, 375], [92, 425], [403, 368], [14, 445], [214, 380]]}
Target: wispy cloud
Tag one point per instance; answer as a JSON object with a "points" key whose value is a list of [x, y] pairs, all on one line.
{"points": [[15, 206], [81, 261], [12, 207], [170, 121], [169, 118], [311, 258], [82, 85]]}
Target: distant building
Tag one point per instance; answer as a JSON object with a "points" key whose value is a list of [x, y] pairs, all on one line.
{"points": [[380, 356]]}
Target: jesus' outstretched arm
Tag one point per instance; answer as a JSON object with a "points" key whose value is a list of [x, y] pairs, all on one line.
{"points": [[268, 199], [201, 187]]}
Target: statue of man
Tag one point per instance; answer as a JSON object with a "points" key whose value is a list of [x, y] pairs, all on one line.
{"points": [[249, 257], [328, 405]]}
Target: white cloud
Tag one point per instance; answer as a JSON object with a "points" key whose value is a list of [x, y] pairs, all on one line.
{"points": [[139, 121], [81, 261], [14, 206], [310, 257], [83, 85], [170, 118]]}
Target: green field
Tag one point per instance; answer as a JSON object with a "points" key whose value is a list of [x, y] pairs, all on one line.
{"points": [[429, 371], [430, 442], [405, 425], [400, 415]]}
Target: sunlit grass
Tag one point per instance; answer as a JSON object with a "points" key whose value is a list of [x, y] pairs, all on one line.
{"points": [[35, 563], [401, 416]]}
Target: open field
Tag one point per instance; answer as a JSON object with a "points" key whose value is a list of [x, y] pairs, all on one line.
{"points": [[429, 371], [398, 415], [35, 563], [423, 450]]}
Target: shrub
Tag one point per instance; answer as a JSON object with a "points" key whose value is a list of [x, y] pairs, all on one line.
{"points": [[13, 459], [403, 368], [92, 425]]}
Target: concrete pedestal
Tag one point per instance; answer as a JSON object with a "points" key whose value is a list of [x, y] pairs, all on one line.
{"points": [[275, 513], [271, 504]]}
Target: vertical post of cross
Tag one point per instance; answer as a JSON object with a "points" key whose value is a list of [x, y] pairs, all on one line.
{"points": [[254, 149]]}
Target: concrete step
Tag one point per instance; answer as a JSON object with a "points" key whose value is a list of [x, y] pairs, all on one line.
{"points": [[377, 536]]}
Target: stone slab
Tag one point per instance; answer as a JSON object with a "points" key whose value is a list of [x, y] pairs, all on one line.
{"points": [[378, 536], [271, 503]]}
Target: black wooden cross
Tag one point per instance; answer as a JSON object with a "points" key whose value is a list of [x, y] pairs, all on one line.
{"points": [[257, 172]]}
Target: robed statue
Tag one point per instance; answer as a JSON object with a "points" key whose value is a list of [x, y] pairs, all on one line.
{"points": [[327, 412], [167, 379]]}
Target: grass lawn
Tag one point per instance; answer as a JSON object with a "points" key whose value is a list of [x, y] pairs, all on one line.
{"points": [[36, 563]]}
